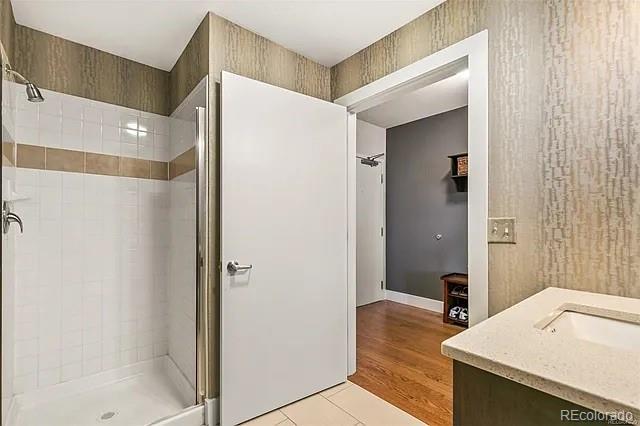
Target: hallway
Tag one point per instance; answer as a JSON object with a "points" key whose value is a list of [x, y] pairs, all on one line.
{"points": [[399, 359]]}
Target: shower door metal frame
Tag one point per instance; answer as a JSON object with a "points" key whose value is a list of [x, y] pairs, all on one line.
{"points": [[202, 254]]}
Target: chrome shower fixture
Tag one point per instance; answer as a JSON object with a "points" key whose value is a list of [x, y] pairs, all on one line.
{"points": [[371, 161], [33, 93]]}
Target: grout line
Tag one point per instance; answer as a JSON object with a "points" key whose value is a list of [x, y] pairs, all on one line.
{"points": [[342, 409], [287, 418], [341, 390]]}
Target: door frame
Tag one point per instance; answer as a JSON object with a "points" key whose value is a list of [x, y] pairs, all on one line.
{"points": [[471, 53]]}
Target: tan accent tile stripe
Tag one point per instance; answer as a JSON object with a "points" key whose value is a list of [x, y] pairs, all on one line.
{"points": [[183, 163], [134, 167], [159, 170], [8, 154], [65, 160], [30, 156], [102, 164]]}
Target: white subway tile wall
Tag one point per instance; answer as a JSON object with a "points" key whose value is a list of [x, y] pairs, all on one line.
{"points": [[92, 266], [70, 122], [91, 275]]}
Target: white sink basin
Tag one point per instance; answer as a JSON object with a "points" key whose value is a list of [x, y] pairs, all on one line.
{"points": [[596, 329]]}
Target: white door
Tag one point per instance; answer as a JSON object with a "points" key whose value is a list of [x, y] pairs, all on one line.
{"points": [[284, 213], [369, 234]]}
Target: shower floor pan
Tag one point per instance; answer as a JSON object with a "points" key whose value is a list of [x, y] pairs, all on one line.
{"points": [[148, 392]]}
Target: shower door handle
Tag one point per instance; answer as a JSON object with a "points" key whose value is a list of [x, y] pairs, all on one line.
{"points": [[234, 267]]}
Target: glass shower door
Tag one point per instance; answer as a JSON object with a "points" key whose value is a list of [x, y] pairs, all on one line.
{"points": [[7, 252]]}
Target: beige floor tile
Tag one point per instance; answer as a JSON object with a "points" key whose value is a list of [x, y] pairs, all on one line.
{"points": [[371, 410], [317, 411], [334, 390], [270, 419], [287, 422]]}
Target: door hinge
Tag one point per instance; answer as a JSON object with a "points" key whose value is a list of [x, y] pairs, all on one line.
{"points": [[381, 285], [381, 178], [382, 231]]}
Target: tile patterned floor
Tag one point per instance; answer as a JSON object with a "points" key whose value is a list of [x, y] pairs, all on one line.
{"points": [[346, 404]]}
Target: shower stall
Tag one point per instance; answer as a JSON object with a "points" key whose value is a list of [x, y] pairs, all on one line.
{"points": [[101, 299]]}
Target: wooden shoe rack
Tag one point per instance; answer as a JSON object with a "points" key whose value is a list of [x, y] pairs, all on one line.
{"points": [[449, 282]]}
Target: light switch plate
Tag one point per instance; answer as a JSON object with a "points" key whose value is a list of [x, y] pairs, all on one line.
{"points": [[502, 230]]}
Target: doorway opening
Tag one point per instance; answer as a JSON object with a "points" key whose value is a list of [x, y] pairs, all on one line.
{"points": [[418, 209], [412, 238], [412, 197]]}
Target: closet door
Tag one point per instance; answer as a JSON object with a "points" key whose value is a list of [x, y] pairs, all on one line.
{"points": [[283, 247], [369, 234]]}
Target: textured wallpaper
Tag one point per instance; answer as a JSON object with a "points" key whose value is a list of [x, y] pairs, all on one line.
{"points": [[238, 50], [191, 66], [7, 27], [591, 146], [63, 66], [564, 122]]}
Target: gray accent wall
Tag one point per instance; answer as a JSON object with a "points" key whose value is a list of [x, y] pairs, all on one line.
{"points": [[422, 201]]}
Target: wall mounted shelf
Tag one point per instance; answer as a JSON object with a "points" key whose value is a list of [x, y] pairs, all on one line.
{"points": [[459, 169]]}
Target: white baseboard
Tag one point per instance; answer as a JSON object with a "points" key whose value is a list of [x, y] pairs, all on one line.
{"points": [[415, 301]]}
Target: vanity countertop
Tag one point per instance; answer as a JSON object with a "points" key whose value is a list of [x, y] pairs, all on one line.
{"points": [[513, 345]]}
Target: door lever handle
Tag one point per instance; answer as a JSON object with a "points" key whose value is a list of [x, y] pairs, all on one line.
{"points": [[234, 267]]}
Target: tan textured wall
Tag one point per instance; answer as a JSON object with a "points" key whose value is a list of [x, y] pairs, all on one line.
{"points": [[591, 150], [515, 126], [564, 122], [240, 51], [452, 21], [191, 67], [515, 61], [235, 49], [64, 66], [7, 28]]}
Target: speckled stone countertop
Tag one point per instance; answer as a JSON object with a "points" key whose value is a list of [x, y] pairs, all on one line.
{"points": [[513, 345]]}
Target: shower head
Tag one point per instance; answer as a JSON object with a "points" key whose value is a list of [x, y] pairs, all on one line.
{"points": [[371, 161], [33, 93]]}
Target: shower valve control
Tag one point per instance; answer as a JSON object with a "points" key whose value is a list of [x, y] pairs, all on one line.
{"points": [[8, 217]]}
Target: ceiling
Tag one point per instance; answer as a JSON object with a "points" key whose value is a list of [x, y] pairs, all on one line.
{"points": [[439, 97], [154, 32]]}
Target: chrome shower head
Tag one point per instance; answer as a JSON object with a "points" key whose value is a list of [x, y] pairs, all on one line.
{"points": [[33, 93], [371, 161]]}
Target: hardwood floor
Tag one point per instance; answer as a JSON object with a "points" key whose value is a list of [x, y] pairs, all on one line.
{"points": [[399, 359]]}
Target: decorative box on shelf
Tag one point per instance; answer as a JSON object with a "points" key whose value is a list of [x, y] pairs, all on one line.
{"points": [[460, 170]]}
